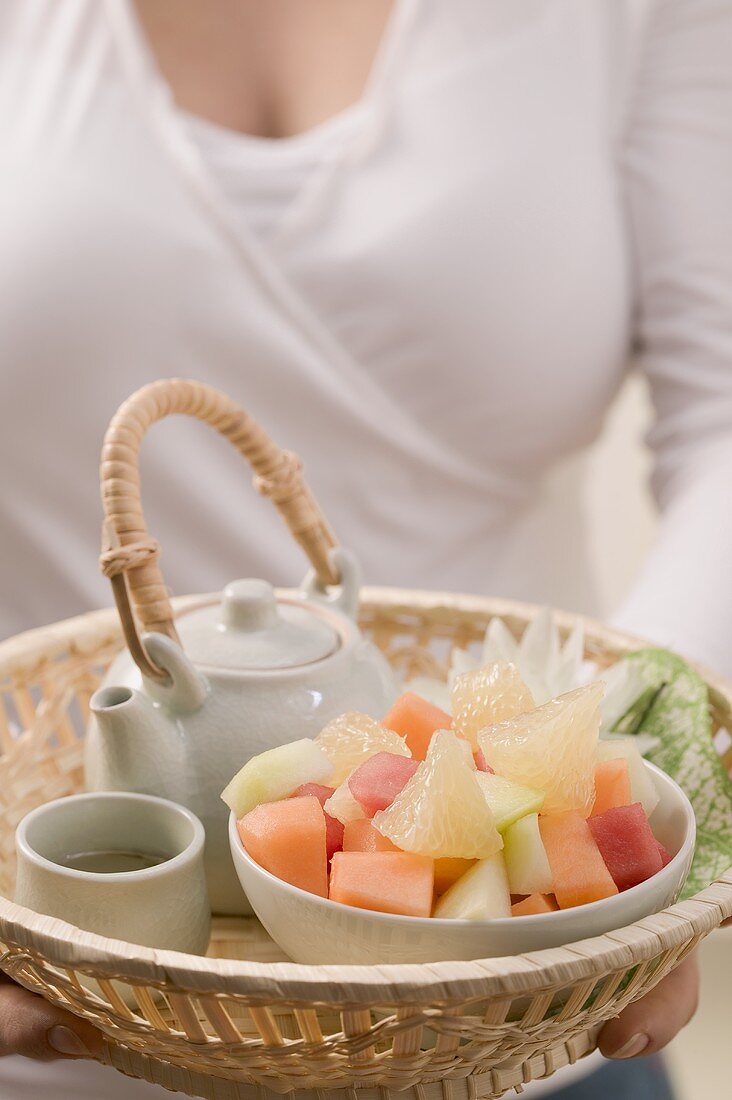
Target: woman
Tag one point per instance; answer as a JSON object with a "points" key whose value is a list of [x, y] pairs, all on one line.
{"points": [[419, 240]]}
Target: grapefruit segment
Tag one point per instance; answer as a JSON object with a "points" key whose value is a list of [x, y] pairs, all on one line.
{"points": [[486, 696], [343, 806], [579, 873], [287, 838], [387, 882], [414, 719], [442, 811], [351, 738], [627, 844], [552, 749]]}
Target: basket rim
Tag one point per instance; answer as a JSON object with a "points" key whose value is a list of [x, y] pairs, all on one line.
{"points": [[64, 945], [67, 946]]}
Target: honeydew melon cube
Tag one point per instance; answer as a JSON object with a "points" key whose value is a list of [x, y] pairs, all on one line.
{"points": [[642, 787], [527, 865], [508, 801], [275, 774], [482, 893]]}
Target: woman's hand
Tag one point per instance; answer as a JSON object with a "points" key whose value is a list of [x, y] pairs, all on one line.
{"points": [[650, 1023], [32, 1027]]}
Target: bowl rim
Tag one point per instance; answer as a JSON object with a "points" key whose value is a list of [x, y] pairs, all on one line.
{"points": [[617, 900]]}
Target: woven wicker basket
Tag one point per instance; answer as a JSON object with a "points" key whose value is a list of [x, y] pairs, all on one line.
{"points": [[242, 1022]]}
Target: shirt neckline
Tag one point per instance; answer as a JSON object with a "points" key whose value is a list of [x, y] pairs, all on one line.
{"points": [[136, 46], [155, 97]]}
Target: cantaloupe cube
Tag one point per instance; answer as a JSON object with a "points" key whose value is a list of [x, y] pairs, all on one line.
{"points": [[288, 839], [481, 763], [387, 882], [578, 870], [533, 905], [627, 844], [448, 870], [361, 836], [642, 784], [376, 783], [612, 785], [416, 720], [333, 827]]}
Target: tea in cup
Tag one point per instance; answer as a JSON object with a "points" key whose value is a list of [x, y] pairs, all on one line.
{"points": [[126, 866]]}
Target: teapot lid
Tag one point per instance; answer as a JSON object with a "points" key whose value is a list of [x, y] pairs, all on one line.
{"points": [[252, 629]]}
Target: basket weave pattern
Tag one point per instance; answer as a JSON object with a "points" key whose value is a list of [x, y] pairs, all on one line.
{"points": [[243, 1021]]}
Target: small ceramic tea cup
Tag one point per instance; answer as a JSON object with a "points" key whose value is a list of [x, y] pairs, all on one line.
{"points": [[164, 905]]}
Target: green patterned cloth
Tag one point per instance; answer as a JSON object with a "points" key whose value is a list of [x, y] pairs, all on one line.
{"points": [[674, 710]]}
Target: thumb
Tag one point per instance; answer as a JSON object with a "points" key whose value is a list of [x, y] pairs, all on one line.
{"points": [[32, 1027], [649, 1024]]}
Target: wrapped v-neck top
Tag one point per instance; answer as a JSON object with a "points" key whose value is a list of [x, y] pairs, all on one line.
{"points": [[432, 297]]}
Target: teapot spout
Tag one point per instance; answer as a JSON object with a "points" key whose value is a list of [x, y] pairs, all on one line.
{"points": [[131, 743]]}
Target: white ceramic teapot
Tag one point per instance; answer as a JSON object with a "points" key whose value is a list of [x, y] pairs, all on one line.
{"points": [[190, 702]]}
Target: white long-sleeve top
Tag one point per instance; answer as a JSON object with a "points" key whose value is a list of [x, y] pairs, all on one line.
{"points": [[440, 309]]}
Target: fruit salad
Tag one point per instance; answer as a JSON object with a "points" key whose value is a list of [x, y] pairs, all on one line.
{"points": [[502, 808]]}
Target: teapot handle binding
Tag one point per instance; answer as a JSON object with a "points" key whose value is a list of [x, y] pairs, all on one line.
{"points": [[130, 557], [346, 596]]}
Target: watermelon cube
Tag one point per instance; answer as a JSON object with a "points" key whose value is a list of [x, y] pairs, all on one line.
{"points": [[578, 870], [376, 783], [387, 882], [627, 844], [533, 905], [416, 720], [361, 836], [612, 785], [333, 827], [287, 838], [665, 855]]}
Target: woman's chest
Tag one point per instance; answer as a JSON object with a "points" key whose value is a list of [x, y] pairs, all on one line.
{"points": [[463, 260]]}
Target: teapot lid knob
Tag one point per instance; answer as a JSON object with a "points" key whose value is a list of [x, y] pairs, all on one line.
{"points": [[250, 605]]}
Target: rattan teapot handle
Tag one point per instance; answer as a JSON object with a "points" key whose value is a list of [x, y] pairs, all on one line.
{"points": [[130, 557]]}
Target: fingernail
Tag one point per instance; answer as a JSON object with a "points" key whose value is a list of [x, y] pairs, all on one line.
{"points": [[635, 1046], [67, 1042]]}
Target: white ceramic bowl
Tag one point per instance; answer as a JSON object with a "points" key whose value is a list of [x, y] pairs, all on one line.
{"points": [[313, 930]]}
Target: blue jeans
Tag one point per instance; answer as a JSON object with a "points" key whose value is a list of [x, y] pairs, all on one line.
{"points": [[636, 1079]]}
